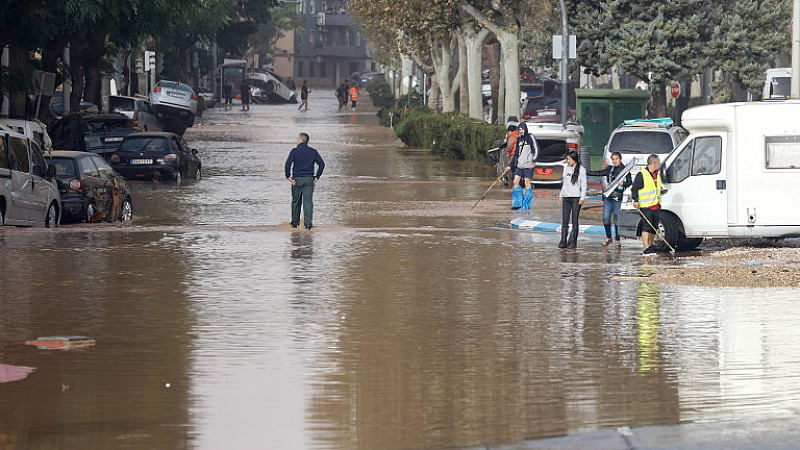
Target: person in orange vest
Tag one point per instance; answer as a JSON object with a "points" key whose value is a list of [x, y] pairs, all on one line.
{"points": [[353, 96]]}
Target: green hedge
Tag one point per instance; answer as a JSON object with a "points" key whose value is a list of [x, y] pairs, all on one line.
{"points": [[449, 135]]}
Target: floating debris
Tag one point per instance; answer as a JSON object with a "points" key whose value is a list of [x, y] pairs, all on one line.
{"points": [[62, 342], [10, 373]]}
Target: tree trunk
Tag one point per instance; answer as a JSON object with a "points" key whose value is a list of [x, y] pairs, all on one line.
{"points": [[17, 101], [93, 89], [463, 88], [76, 73], [442, 55], [434, 97], [658, 101], [474, 44], [508, 45], [494, 78]]}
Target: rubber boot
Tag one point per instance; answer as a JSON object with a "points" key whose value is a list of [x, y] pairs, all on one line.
{"points": [[573, 238], [516, 197], [563, 242], [527, 198]]}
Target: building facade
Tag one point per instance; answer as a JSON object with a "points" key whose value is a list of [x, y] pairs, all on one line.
{"points": [[329, 46]]}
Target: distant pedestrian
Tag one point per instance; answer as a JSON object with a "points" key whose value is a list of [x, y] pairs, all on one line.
{"points": [[646, 193], [571, 197], [304, 96], [341, 95], [353, 96], [524, 159], [612, 202], [244, 89], [227, 95], [299, 170]]}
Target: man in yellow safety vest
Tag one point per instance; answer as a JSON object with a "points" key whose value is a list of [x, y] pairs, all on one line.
{"points": [[646, 192]]}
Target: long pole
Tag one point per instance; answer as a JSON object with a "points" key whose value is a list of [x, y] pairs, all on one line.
{"points": [[565, 61], [796, 49]]}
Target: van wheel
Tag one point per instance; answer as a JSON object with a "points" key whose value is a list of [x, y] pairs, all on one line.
{"points": [[669, 227], [90, 212], [51, 220]]}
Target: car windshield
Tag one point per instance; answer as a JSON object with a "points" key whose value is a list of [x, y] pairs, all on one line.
{"points": [[144, 144], [106, 124], [642, 142], [65, 167]]}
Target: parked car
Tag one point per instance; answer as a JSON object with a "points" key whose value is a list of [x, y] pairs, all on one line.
{"points": [[156, 156], [28, 196], [268, 87], [138, 109], [543, 109], [640, 138], [101, 134], [33, 129], [175, 104], [91, 191], [365, 78], [57, 109]]}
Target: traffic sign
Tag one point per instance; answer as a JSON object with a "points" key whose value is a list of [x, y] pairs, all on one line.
{"points": [[675, 90]]}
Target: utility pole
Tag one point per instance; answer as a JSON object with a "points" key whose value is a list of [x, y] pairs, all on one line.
{"points": [[565, 61], [796, 49]]}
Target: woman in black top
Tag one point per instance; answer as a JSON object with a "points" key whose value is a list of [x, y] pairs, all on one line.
{"points": [[613, 202]]}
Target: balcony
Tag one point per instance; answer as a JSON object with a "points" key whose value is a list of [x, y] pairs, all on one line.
{"points": [[334, 20]]}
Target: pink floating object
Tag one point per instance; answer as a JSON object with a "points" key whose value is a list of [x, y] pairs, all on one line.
{"points": [[10, 373]]}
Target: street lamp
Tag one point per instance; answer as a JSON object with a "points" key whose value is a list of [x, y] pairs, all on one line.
{"points": [[565, 61]]}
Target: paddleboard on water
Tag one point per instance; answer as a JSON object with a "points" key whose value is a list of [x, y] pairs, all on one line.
{"points": [[625, 170]]}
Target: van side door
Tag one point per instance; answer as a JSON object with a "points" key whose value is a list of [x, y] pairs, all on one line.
{"points": [[40, 185], [695, 179], [21, 180], [5, 178]]}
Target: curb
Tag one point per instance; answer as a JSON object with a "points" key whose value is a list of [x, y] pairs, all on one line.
{"points": [[535, 225]]}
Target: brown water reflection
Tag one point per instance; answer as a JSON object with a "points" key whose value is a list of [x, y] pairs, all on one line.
{"points": [[404, 321]]}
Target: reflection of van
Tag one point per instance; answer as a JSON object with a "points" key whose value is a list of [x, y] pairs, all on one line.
{"points": [[28, 197], [733, 177], [778, 83]]}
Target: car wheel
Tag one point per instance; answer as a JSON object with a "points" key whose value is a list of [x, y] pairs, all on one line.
{"points": [[126, 213], [669, 227], [90, 212], [51, 220]]}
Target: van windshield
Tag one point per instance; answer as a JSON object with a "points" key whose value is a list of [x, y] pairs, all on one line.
{"points": [[641, 142]]}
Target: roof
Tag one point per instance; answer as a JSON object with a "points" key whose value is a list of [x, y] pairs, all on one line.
{"points": [[67, 154]]}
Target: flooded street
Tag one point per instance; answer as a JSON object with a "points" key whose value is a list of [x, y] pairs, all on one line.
{"points": [[403, 320]]}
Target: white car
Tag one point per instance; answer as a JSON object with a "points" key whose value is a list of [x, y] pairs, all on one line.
{"points": [[137, 109], [175, 104], [268, 87]]}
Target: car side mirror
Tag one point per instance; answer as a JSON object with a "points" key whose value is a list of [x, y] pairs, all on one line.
{"points": [[194, 151]]}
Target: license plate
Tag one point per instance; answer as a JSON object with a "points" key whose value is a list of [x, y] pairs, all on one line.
{"points": [[141, 161], [175, 94], [113, 139], [546, 112]]}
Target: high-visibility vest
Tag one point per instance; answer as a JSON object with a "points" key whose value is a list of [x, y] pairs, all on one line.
{"points": [[353, 94], [650, 194]]}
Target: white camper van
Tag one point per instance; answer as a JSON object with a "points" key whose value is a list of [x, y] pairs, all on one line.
{"points": [[734, 176]]}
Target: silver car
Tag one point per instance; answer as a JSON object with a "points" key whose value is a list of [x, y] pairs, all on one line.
{"points": [[175, 104], [137, 109], [28, 194]]}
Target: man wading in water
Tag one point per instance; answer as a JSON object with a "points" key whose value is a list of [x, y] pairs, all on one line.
{"points": [[299, 170]]}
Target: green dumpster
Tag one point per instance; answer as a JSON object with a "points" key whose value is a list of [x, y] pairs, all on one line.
{"points": [[602, 110]]}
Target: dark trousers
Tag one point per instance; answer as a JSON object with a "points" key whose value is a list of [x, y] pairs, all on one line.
{"points": [[570, 210], [303, 193]]}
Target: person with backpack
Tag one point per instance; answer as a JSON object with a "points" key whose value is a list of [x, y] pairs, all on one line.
{"points": [[612, 203], [524, 160], [571, 197]]}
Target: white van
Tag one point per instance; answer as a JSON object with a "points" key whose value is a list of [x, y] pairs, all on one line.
{"points": [[733, 177], [34, 129], [28, 194]]}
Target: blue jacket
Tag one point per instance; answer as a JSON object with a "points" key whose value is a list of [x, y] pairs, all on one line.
{"points": [[303, 158]]}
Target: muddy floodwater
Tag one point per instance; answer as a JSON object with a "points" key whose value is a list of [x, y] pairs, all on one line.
{"points": [[403, 320]]}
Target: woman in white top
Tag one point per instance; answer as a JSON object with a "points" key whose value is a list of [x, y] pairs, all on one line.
{"points": [[571, 197]]}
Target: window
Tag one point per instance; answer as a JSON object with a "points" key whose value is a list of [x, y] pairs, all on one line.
{"points": [[102, 166], [39, 166], [782, 152], [358, 39], [3, 154], [707, 156], [323, 70], [299, 38], [701, 156], [642, 142], [347, 37], [312, 7], [19, 154], [88, 168], [311, 38], [301, 69]]}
